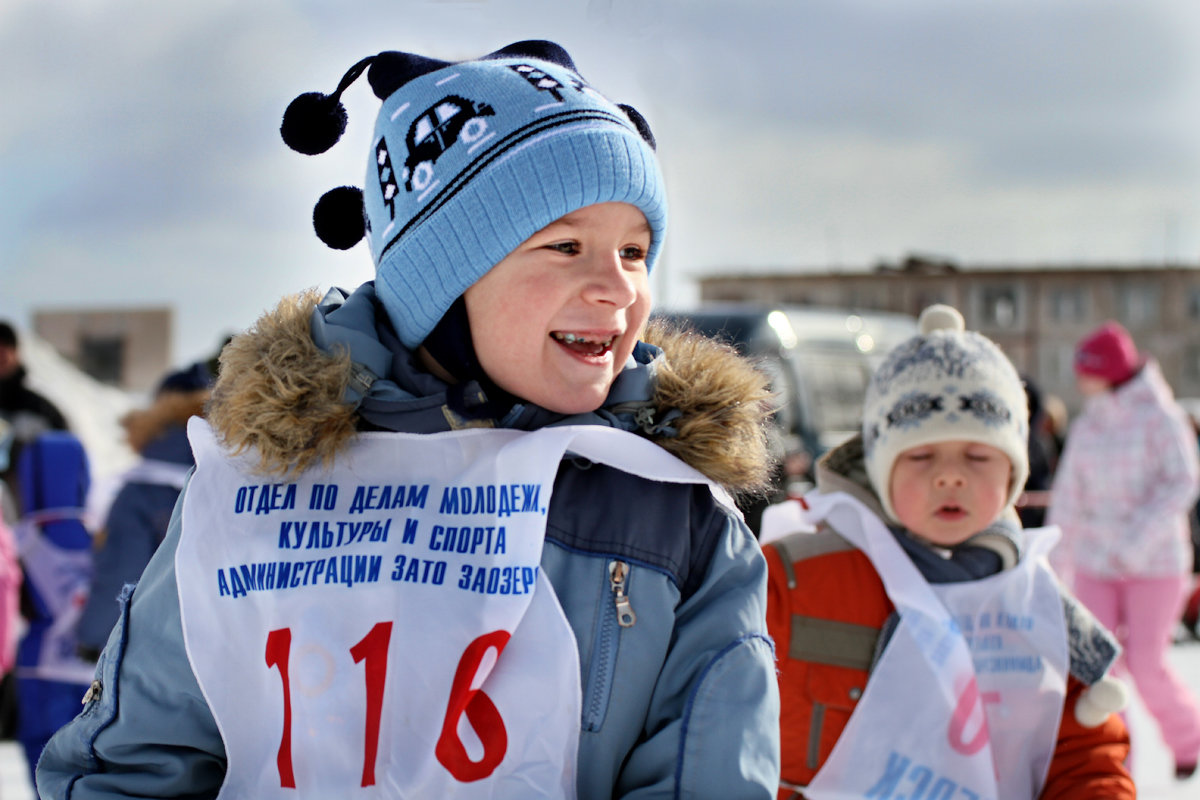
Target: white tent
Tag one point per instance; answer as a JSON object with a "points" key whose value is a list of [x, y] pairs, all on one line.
{"points": [[93, 411]]}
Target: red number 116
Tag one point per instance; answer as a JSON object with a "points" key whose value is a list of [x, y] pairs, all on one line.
{"points": [[372, 651]]}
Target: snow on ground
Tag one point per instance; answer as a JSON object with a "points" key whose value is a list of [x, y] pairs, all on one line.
{"points": [[14, 773], [1153, 767]]}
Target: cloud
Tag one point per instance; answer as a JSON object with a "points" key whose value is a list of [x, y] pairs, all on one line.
{"points": [[140, 156], [1100, 86]]}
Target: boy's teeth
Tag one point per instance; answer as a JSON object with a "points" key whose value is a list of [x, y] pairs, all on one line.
{"points": [[571, 338]]}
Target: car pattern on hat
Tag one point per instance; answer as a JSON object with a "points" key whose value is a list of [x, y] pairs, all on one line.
{"points": [[387, 178], [436, 130], [539, 79]]}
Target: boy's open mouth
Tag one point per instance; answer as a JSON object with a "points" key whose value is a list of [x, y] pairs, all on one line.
{"points": [[582, 345], [951, 510]]}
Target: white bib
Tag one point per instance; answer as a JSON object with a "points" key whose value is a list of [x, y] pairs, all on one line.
{"points": [[966, 698], [383, 629], [61, 577]]}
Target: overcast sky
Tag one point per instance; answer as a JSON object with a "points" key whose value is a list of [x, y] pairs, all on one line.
{"points": [[140, 161]]}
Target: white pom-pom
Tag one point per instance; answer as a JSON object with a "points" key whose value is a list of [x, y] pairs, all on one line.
{"points": [[1105, 696], [941, 318]]}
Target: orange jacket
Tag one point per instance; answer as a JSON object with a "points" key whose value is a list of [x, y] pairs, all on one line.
{"points": [[823, 669]]}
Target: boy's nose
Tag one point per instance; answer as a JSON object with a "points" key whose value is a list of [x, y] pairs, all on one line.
{"points": [[610, 281]]}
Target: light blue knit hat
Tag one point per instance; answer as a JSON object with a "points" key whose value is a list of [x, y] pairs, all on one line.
{"points": [[470, 159]]}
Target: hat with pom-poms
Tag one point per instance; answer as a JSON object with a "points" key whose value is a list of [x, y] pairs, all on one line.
{"points": [[944, 384], [468, 160]]}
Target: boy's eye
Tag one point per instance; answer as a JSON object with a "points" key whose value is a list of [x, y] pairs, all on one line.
{"points": [[633, 252], [919, 456], [569, 247]]}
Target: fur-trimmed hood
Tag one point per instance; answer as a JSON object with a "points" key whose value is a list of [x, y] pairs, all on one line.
{"points": [[297, 405], [169, 409]]}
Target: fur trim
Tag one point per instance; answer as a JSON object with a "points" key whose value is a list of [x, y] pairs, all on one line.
{"points": [[279, 395], [843, 469], [725, 403], [169, 408]]}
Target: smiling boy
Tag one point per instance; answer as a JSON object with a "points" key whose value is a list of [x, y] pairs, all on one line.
{"points": [[930, 653], [557, 318], [563, 602]]}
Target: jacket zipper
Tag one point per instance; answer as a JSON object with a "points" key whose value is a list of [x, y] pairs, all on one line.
{"points": [[618, 575], [604, 652]]}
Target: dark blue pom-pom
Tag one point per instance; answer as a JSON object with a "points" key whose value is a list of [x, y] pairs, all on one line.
{"points": [[640, 123], [339, 218], [313, 123]]}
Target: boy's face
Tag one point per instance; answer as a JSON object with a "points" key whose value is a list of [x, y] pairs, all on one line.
{"points": [[947, 491], [554, 322]]}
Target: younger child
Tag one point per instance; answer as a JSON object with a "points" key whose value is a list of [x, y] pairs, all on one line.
{"points": [[926, 650]]}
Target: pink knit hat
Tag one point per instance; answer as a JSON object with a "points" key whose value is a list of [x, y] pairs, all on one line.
{"points": [[1108, 353]]}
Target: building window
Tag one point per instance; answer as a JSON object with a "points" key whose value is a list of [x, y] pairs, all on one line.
{"points": [[1068, 305], [1191, 363], [1060, 365], [1139, 305], [1193, 302], [1000, 308], [102, 357], [927, 298]]}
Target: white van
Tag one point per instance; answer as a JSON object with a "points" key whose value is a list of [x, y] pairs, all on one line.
{"points": [[819, 360]]}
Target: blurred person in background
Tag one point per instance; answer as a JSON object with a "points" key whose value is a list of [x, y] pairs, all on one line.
{"points": [[55, 550], [10, 618], [24, 415], [1055, 421], [1191, 607], [26, 412], [1122, 496], [1043, 455], [136, 522]]}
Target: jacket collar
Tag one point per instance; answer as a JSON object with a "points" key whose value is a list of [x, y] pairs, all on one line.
{"points": [[392, 391], [313, 371]]}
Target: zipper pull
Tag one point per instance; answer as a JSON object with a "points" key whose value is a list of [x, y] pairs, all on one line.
{"points": [[618, 574]]}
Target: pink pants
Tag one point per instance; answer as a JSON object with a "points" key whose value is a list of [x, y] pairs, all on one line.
{"points": [[1143, 612]]}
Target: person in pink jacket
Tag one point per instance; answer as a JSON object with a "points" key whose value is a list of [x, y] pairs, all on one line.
{"points": [[1124, 486], [10, 598]]}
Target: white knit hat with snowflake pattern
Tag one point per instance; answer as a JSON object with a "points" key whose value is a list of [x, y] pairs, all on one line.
{"points": [[944, 384]]}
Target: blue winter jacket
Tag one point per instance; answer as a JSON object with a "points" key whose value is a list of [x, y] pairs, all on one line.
{"points": [[134, 527], [684, 703]]}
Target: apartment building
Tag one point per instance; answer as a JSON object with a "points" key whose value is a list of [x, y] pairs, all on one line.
{"points": [[1036, 313]]}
